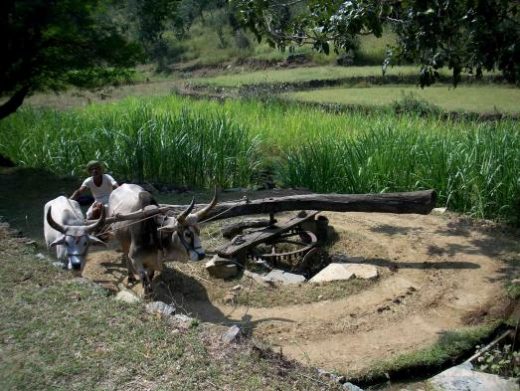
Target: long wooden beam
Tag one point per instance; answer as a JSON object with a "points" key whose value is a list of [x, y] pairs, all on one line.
{"points": [[420, 202]]}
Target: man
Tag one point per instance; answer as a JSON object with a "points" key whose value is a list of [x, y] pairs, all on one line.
{"points": [[100, 185]]}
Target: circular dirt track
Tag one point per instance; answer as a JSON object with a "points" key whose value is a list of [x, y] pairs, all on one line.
{"points": [[437, 274]]}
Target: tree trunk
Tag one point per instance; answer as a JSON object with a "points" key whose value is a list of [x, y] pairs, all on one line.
{"points": [[14, 102], [420, 202]]}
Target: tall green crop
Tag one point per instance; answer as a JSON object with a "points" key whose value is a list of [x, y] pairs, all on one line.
{"points": [[474, 166]]}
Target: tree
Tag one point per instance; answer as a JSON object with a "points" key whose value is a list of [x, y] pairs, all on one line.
{"points": [[47, 44], [471, 35]]}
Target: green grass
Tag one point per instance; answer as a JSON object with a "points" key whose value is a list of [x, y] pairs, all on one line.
{"points": [[63, 333], [475, 99], [305, 74], [473, 165]]}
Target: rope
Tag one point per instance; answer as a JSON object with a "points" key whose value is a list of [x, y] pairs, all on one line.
{"points": [[201, 222], [127, 225], [225, 211]]}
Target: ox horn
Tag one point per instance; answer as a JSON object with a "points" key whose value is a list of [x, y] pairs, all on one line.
{"points": [[54, 224], [98, 224], [203, 212], [182, 217]]}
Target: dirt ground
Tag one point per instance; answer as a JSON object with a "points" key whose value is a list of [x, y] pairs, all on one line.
{"points": [[439, 273]]}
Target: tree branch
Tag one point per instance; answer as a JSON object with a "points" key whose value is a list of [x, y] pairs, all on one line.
{"points": [[14, 102]]}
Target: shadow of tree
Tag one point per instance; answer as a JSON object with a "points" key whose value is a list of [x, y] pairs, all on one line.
{"points": [[190, 297]]}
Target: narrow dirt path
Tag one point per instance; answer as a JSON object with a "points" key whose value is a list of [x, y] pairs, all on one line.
{"points": [[442, 274]]}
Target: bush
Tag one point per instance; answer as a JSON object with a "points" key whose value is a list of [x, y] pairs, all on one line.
{"points": [[411, 104], [501, 360]]}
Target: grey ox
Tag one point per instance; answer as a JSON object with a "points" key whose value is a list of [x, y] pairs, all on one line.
{"points": [[64, 228], [147, 244]]}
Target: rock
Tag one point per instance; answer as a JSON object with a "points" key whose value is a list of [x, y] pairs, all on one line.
{"points": [[221, 268], [331, 377], [342, 271], [284, 278], [333, 272], [158, 307], [439, 210], [59, 265], [232, 334], [365, 272], [182, 321], [351, 387], [258, 278], [463, 377], [183, 318], [127, 297]]}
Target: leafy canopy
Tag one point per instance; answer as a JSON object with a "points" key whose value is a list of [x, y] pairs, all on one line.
{"points": [[471, 35], [48, 44]]}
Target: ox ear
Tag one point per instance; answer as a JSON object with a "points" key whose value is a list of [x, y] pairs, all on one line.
{"points": [[58, 241], [95, 241]]}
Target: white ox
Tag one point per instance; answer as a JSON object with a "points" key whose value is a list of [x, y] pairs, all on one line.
{"points": [[147, 244], [64, 228]]}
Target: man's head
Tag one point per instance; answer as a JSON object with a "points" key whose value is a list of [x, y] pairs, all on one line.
{"points": [[95, 167]]}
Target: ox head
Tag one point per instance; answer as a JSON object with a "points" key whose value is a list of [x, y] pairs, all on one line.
{"points": [[75, 239], [185, 232]]}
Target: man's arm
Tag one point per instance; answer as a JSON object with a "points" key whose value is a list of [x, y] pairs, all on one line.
{"points": [[77, 192], [112, 182]]}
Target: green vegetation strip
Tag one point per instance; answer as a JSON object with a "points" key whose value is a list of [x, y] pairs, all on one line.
{"points": [[451, 347], [294, 75], [474, 99], [473, 165]]}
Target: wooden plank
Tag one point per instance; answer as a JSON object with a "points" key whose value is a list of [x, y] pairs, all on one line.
{"points": [[255, 238]]}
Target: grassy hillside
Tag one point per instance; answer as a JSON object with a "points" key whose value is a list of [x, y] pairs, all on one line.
{"points": [[212, 41]]}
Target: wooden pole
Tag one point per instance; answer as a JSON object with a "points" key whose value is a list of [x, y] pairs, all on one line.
{"points": [[420, 202]]}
